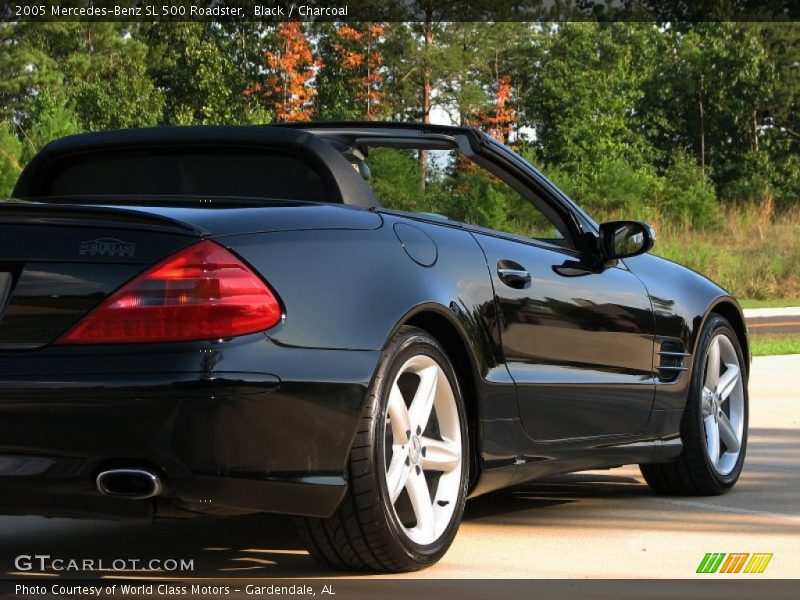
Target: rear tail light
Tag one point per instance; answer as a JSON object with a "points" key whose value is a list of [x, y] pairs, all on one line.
{"points": [[201, 293]]}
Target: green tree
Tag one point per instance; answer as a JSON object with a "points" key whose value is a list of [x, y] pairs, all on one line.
{"points": [[480, 58], [125, 96], [395, 180], [199, 80], [10, 159], [350, 82], [419, 63], [582, 102], [687, 195], [49, 120], [777, 120], [97, 69], [34, 59], [707, 93]]}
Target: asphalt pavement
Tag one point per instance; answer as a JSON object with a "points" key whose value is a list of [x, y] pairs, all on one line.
{"points": [[600, 524]]}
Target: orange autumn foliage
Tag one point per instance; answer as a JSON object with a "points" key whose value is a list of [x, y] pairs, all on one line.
{"points": [[287, 88], [358, 52], [500, 120]]}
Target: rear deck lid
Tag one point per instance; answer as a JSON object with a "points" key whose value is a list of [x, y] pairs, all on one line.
{"points": [[59, 260], [56, 265]]}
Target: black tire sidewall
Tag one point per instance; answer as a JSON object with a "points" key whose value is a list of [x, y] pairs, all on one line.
{"points": [[717, 325], [413, 344]]}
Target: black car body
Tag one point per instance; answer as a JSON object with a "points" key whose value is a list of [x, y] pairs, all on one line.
{"points": [[585, 364]]}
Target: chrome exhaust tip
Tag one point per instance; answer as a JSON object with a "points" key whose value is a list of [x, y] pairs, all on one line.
{"points": [[133, 484]]}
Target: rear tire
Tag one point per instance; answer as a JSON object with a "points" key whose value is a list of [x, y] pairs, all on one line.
{"points": [[714, 424], [408, 468]]}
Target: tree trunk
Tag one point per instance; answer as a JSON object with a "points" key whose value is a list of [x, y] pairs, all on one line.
{"points": [[427, 32], [368, 82], [755, 130], [702, 137]]}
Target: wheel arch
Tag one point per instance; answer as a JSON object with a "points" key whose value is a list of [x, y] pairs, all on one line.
{"points": [[443, 325], [728, 308]]}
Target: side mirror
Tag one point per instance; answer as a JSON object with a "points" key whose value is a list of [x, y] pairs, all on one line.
{"points": [[621, 239]]}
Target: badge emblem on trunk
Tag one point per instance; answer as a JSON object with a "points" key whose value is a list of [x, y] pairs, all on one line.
{"points": [[108, 247]]}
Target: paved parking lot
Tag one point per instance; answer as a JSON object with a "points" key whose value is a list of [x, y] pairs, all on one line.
{"points": [[594, 524]]}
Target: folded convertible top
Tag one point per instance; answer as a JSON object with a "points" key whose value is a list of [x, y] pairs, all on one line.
{"points": [[186, 152]]}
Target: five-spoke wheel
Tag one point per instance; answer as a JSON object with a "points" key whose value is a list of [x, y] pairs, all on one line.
{"points": [[714, 423], [408, 466], [722, 405], [423, 450]]}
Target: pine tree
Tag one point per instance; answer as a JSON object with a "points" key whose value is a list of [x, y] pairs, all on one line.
{"points": [[359, 56]]}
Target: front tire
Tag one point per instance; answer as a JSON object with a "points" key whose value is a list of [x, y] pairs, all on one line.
{"points": [[714, 423], [408, 468]]}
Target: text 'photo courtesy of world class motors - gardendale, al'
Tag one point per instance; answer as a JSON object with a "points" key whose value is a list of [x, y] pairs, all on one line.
{"points": [[365, 298]]}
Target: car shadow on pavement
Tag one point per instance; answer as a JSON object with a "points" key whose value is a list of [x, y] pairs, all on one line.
{"points": [[764, 499], [551, 492], [240, 547], [267, 546]]}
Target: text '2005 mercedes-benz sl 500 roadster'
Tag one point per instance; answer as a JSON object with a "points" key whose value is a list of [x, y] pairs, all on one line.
{"points": [[227, 320]]}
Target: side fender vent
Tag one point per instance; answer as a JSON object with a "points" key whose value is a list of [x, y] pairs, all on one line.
{"points": [[671, 361]]}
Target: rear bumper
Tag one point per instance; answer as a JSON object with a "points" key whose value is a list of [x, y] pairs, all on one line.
{"points": [[231, 427]]}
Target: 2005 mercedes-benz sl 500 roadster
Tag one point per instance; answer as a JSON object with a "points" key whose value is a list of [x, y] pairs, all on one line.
{"points": [[227, 320]]}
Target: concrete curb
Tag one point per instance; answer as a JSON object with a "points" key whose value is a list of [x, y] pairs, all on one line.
{"points": [[761, 313]]}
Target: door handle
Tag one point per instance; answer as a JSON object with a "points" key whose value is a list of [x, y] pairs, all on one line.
{"points": [[513, 275]]}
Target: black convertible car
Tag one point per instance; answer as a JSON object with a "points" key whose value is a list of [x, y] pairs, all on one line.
{"points": [[223, 320]]}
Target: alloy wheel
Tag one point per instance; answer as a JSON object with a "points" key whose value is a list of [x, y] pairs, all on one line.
{"points": [[722, 404], [422, 450]]}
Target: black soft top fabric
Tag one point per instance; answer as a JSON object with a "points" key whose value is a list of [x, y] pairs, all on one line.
{"points": [[337, 178]]}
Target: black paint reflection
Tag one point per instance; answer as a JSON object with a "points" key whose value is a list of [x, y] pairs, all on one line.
{"points": [[580, 348]]}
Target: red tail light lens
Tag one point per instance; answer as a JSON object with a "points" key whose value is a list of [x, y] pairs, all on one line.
{"points": [[201, 293]]}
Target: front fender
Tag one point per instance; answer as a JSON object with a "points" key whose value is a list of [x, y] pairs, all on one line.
{"points": [[682, 302]]}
